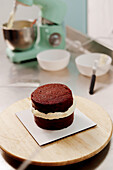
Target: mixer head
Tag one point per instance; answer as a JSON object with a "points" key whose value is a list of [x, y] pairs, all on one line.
{"points": [[25, 2]]}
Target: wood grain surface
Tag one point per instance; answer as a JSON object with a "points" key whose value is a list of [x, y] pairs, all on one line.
{"points": [[16, 141]]}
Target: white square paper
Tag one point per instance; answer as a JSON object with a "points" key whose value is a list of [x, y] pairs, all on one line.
{"points": [[81, 122]]}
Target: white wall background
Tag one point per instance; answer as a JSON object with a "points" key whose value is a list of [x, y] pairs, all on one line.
{"points": [[100, 20], [23, 12]]}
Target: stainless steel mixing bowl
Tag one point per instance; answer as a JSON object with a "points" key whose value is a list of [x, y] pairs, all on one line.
{"points": [[22, 36]]}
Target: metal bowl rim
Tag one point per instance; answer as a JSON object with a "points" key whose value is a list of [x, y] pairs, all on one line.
{"points": [[18, 29]]}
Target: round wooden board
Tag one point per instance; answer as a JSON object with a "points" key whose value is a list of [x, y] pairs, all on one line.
{"points": [[16, 141]]}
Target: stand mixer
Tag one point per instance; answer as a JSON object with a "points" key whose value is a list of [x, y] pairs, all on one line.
{"points": [[50, 32]]}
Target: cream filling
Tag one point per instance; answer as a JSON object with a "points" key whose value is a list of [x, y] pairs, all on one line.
{"points": [[55, 115]]}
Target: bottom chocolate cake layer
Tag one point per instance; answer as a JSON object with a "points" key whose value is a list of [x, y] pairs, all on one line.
{"points": [[54, 124]]}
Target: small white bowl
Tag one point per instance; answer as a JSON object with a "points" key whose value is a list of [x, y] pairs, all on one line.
{"points": [[54, 59], [85, 63]]}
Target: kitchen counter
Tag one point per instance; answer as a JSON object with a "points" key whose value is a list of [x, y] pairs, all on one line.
{"points": [[10, 91]]}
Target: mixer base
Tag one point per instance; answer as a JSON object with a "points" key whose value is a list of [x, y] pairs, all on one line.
{"points": [[20, 56]]}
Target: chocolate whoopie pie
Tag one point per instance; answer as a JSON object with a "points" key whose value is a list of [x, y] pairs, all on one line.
{"points": [[53, 106]]}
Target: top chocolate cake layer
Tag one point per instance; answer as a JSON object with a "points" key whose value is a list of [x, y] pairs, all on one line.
{"points": [[52, 98]]}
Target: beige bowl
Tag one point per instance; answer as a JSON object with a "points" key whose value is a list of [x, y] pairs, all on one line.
{"points": [[21, 36]]}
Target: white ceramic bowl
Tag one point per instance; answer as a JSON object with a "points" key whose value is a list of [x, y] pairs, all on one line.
{"points": [[85, 63], [54, 59]]}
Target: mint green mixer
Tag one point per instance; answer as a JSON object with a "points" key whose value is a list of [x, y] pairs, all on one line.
{"points": [[26, 39]]}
